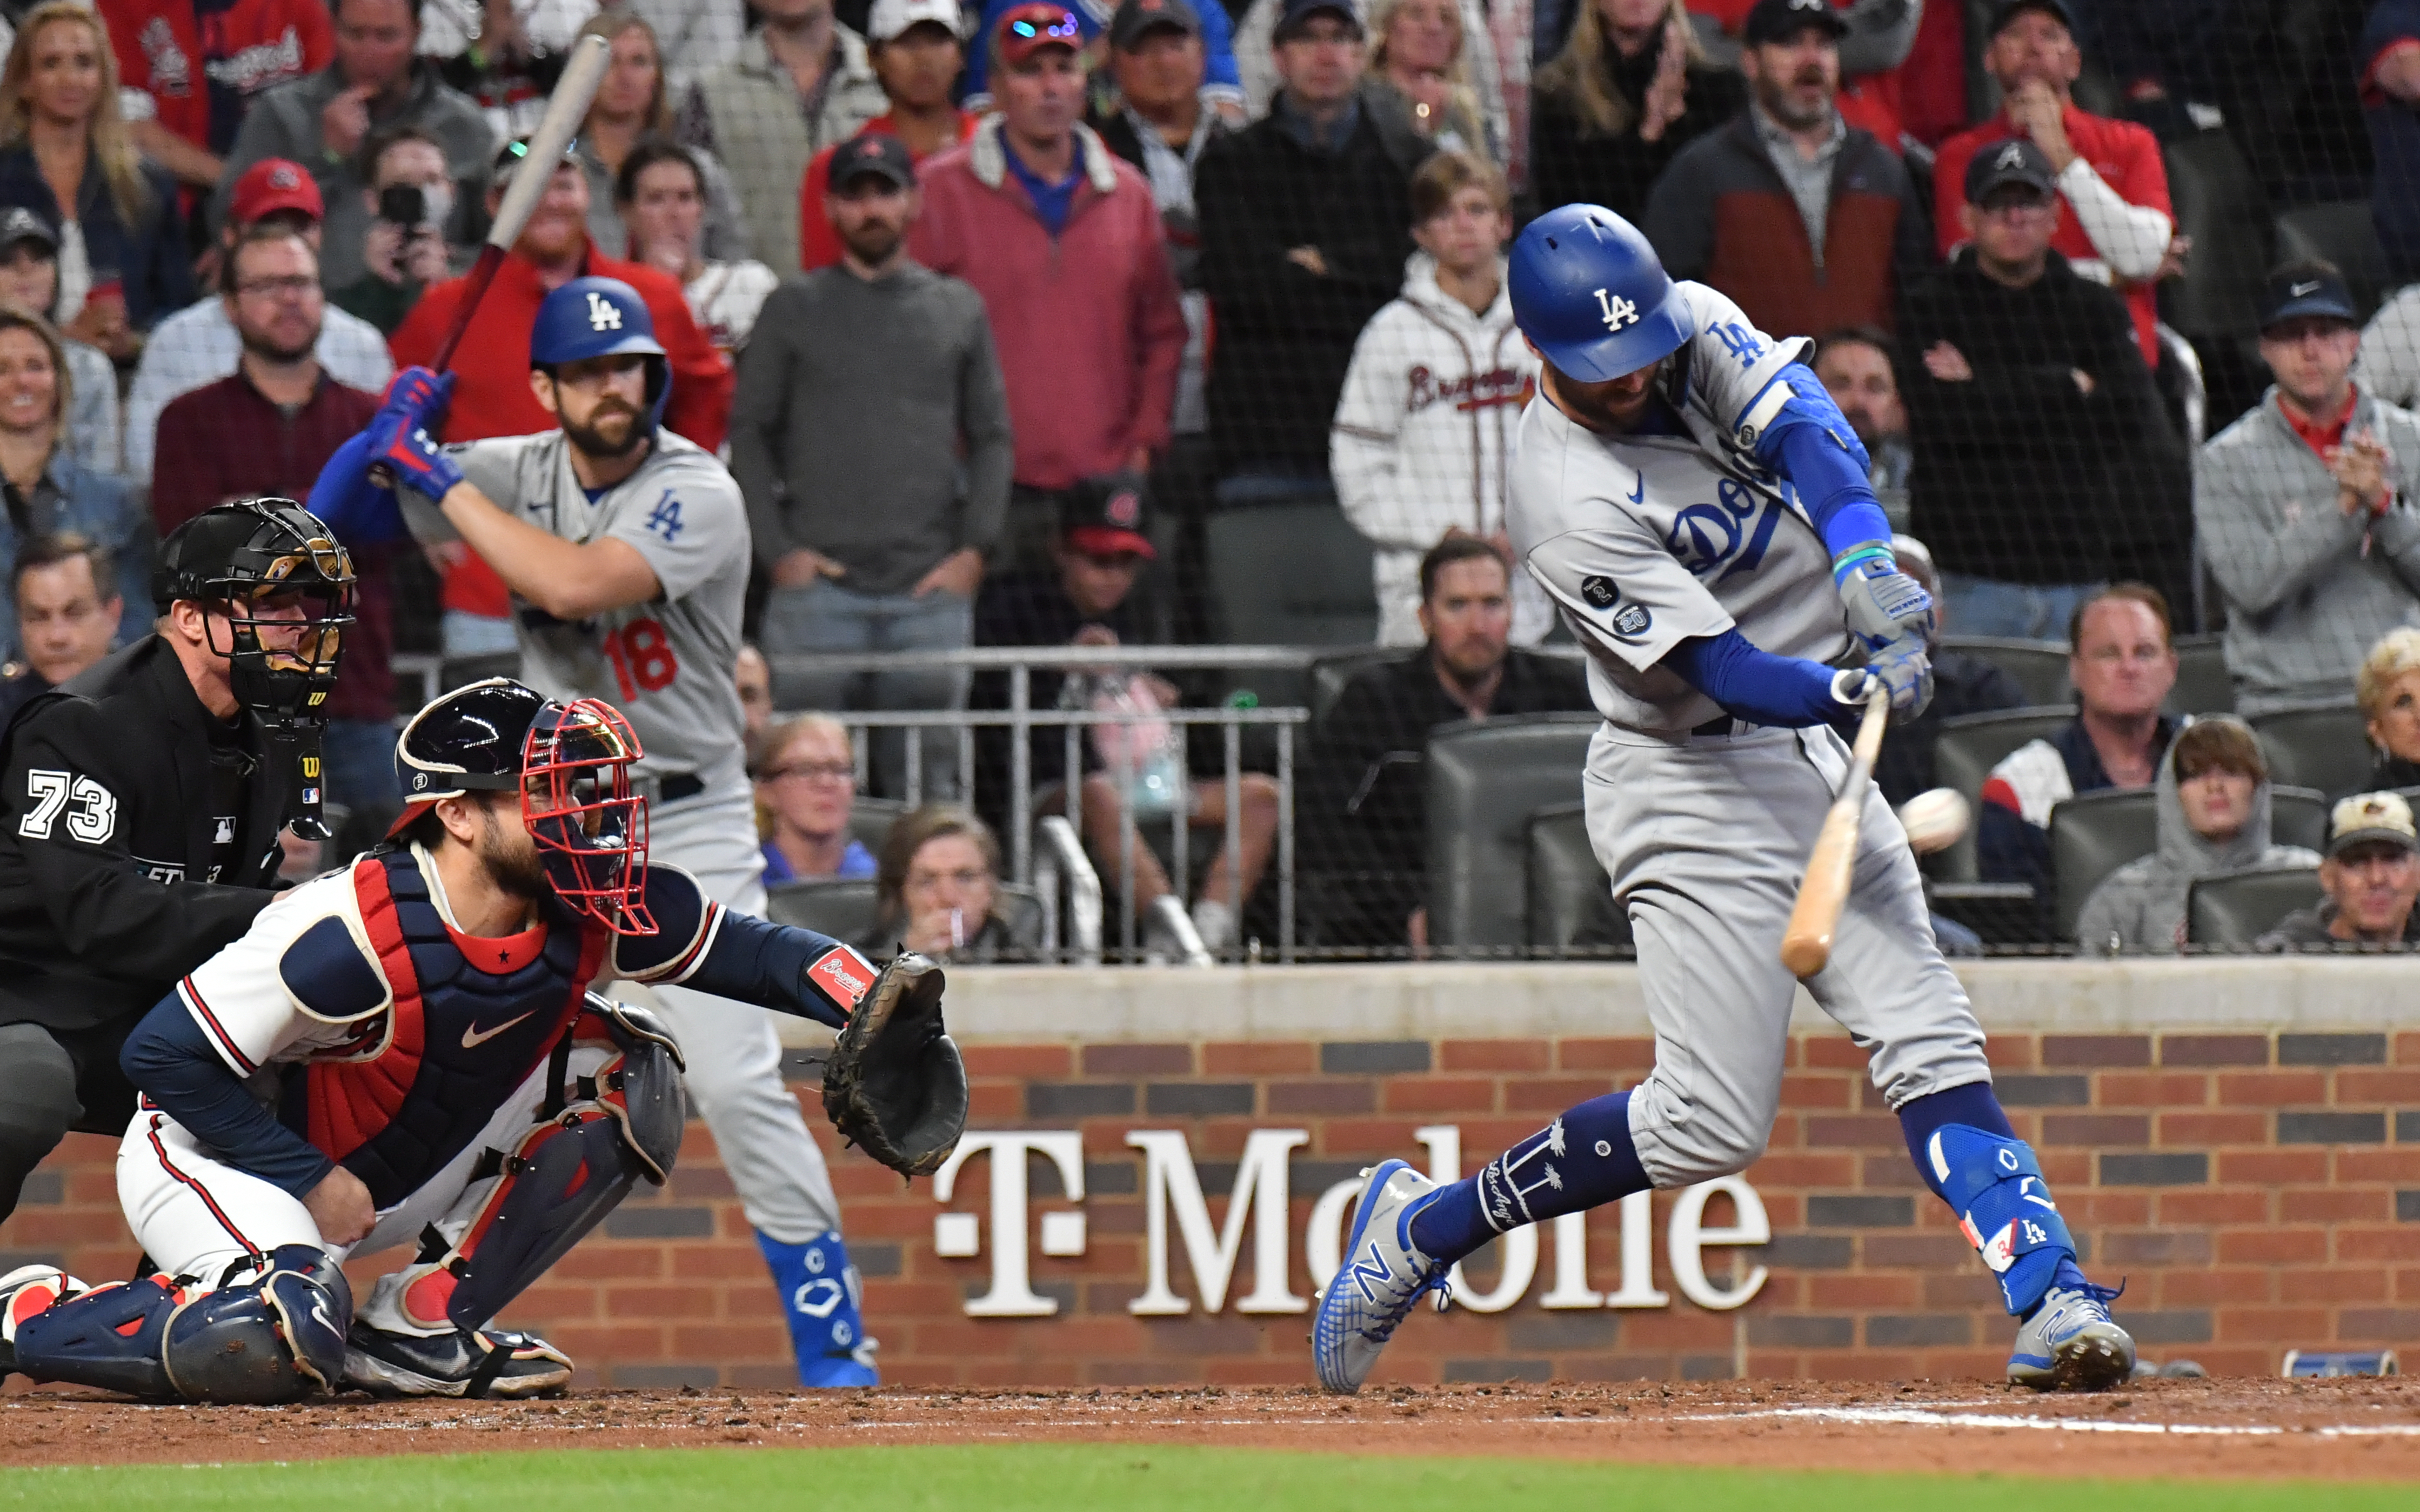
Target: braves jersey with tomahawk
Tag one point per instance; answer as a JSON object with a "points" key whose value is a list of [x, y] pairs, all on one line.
{"points": [[669, 664], [1646, 540]]}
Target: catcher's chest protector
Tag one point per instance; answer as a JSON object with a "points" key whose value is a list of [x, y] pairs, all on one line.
{"points": [[463, 1036]]}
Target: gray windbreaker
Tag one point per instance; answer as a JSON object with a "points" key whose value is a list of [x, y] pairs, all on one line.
{"points": [[2141, 905]]}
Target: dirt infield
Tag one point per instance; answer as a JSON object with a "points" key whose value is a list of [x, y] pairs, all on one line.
{"points": [[2353, 1429]]}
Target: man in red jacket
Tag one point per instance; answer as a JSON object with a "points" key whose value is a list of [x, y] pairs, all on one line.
{"points": [[1063, 240], [2114, 224], [491, 395]]}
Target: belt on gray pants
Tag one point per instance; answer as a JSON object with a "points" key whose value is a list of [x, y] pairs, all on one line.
{"points": [[668, 787], [1722, 727]]}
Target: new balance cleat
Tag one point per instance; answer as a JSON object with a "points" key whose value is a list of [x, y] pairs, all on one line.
{"points": [[2070, 1343], [1382, 1275], [488, 1363]]}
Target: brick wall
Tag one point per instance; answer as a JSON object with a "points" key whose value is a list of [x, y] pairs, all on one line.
{"points": [[2258, 1192]]}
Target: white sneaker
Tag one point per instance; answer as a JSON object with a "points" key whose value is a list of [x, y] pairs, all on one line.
{"points": [[1383, 1273]]}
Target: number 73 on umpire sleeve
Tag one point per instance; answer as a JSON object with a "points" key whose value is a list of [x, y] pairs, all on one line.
{"points": [[643, 657]]}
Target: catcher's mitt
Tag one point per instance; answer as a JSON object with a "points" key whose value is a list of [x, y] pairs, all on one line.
{"points": [[895, 1085]]}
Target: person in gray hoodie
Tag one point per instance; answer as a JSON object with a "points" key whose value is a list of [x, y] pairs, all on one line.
{"points": [[2213, 811]]}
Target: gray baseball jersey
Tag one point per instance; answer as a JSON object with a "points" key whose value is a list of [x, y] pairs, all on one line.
{"points": [[668, 665], [1644, 541]]}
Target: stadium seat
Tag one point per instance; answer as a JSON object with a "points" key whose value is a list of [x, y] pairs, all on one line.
{"points": [[2092, 835], [1329, 674], [2203, 686], [1296, 575], [2298, 816], [2324, 748], [2039, 667], [1482, 782], [1964, 754], [2240, 907], [845, 909], [2219, 203], [870, 820], [2342, 232], [1571, 902]]}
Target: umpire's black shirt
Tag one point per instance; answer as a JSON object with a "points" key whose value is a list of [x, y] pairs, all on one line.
{"points": [[138, 835]]}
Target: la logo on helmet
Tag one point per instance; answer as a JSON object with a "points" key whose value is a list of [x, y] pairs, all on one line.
{"points": [[1619, 311], [602, 313]]}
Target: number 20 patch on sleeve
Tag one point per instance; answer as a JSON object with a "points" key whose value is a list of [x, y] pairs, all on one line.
{"points": [[845, 974]]}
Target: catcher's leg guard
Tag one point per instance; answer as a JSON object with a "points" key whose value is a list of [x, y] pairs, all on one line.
{"points": [[276, 1336], [558, 1182]]}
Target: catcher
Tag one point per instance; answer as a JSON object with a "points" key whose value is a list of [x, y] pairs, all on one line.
{"points": [[405, 1050]]}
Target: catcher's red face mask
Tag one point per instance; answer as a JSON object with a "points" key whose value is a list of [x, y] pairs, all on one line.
{"points": [[576, 801]]}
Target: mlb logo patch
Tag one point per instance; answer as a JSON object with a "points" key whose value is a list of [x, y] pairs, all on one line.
{"points": [[843, 973]]}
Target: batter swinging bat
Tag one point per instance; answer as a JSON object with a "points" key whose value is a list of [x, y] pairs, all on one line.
{"points": [[564, 110], [1807, 945]]}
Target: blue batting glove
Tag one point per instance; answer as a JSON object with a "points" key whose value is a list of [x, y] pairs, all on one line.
{"points": [[427, 394], [411, 458]]}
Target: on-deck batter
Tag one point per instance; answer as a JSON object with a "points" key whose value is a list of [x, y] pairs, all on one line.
{"points": [[1689, 496], [627, 550]]}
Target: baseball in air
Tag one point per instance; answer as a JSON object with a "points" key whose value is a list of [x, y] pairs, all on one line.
{"points": [[1934, 819]]}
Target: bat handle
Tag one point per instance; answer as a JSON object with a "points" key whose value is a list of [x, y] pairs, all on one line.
{"points": [[474, 289]]}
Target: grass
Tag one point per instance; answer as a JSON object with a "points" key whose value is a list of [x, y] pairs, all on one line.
{"points": [[1064, 1478]]}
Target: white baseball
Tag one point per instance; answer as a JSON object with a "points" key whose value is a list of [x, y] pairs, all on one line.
{"points": [[1934, 819]]}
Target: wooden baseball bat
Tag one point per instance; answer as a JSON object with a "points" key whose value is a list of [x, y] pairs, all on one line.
{"points": [[1807, 945], [565, 109]]}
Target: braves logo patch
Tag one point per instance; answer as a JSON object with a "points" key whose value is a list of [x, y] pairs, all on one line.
{"points": [[843, 973]]}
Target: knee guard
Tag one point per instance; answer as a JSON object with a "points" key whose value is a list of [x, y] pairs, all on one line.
{"points": [[276, 1337], [641, 1087], [558, 1183], [2003, 1208]]}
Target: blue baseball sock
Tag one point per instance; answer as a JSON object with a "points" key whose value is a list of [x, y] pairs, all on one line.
{"points": [[1583, 1160], [1977, 1107]]}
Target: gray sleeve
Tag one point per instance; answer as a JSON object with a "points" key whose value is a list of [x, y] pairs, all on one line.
{"points": [[1881, 35], [2390, 351], [1731, 363], [689, 525], [983, 423], [2106, 915], [727, 230], [2257, 566], [759, 412], [1622, 590]]}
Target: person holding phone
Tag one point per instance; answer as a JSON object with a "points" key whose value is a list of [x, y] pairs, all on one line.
{"points": [[416, 232]]}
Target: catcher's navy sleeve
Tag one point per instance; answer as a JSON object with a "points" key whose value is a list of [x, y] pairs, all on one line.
{"points": [[699, 943], [179, 1070]]}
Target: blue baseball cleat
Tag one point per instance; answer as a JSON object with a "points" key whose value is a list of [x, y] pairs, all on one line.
{"points": [[1383, 1273], [2070, 1343]]}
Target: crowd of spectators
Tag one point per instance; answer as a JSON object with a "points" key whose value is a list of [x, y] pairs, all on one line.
{"points": [[993, 307]]}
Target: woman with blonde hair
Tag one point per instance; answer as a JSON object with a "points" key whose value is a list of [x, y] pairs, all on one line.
{"points": [[50, 492], [1630, 88], [2387, 687], [805, 787], [633, 104], [66, 155], [1420, 74]]}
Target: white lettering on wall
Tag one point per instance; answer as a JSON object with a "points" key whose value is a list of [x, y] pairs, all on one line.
{"points": [[1259, 1201]]}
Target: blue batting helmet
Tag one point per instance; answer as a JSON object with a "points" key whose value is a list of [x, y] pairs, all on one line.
{"points": [[1592, 296], [595, 316]]}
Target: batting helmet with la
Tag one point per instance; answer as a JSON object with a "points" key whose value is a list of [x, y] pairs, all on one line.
{"points": [[1592, 296], [594, 317]]}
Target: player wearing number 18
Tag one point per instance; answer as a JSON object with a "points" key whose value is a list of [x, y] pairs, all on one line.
{"points": [[626, 547]]}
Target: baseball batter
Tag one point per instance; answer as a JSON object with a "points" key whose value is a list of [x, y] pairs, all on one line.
{"points": [[1694, 502], [627, 547]]}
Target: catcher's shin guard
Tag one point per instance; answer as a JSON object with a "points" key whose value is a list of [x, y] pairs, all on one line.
{"points": [[276, 1337], [557, 1183]]}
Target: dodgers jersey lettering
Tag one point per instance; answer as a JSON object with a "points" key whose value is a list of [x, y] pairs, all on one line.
{"points": [[667, 665], [1645, 541]]}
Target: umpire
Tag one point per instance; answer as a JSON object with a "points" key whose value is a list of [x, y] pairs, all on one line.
{"points": [[140, 805]]}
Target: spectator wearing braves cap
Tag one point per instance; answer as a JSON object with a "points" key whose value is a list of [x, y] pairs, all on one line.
{"points": [[1305, 227], [1064, 242], [2115, 226], [2306, 505], [200, 345], [870, 437], [29, 279], [1089, 595], [2039, 438], [916, 48]]}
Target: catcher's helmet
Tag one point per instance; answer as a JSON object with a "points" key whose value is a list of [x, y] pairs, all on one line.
{"points": [[285, 587], [570, 763], [1592, 296], [593, 316]]}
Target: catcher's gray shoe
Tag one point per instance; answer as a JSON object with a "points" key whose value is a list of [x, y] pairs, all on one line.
{"points": [[1383, 1272], [2070, 1343], [488, 1362]]}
